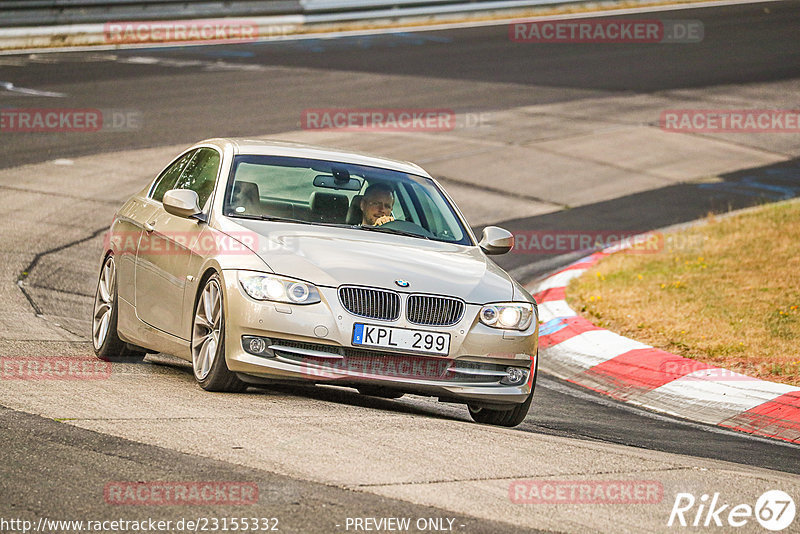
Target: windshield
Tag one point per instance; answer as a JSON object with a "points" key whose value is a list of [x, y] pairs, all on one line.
{"points": [[341, 194]]}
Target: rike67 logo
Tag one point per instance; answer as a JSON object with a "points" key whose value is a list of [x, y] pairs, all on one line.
{"points": [[774, 510]]}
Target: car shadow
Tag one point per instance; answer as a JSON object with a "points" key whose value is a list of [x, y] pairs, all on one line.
{"points": [[322, 392]]}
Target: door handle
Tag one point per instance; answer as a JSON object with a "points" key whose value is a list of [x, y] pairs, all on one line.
{"points": [[148, 227]]}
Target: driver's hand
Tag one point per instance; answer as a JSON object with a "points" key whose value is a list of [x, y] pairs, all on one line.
{"points": [[382, 220]]}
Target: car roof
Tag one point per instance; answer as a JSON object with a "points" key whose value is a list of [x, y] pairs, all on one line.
{"points": [[274, 147]]}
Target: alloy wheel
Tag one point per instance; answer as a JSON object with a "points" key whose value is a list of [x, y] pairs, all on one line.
{"points": [[103, 303], [206, 331]]}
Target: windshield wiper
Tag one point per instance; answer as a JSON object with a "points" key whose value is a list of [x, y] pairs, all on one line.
{"points": [[280, 219], [391, 231], [266, 218]]}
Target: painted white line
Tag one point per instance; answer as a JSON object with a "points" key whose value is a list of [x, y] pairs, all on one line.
{"points": [[712, 400], [8, 86], [555, 308], [559, 280], [211, 66], [594, 347], [730, 383]]}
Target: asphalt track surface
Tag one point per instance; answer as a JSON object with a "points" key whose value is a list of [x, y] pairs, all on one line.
{"points": [[467, 70], [47, 456]]}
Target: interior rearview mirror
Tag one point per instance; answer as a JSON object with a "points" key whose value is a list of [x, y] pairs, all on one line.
{"points": [[337, 182], [496, 240], [181, 202]]}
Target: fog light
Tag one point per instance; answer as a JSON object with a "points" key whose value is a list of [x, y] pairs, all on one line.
{"points": [[257, 345], [514, 376]]}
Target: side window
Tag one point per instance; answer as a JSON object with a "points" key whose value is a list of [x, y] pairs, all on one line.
{"points": [[167, 180], [200, 174]]}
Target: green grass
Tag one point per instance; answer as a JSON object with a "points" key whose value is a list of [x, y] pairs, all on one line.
{"points": [[726, 293]]}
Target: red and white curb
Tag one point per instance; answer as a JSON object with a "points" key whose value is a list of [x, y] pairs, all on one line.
{"points": [[575, 350]]}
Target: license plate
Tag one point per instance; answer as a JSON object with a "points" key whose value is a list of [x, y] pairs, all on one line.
{"points": [[401, 338]]}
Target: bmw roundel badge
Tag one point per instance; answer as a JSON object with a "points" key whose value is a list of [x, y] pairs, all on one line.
{"points": [[402, 283]]}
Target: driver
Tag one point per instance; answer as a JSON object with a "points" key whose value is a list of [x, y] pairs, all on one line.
{"points": [[377, 204]]}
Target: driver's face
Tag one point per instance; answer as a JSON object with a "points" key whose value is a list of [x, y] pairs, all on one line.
{"points": [[376, 206]]}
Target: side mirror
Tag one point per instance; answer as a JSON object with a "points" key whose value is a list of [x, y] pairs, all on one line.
{"points": [[181, 202], [495, 240]]}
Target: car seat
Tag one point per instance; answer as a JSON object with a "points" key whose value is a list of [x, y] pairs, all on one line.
{"points": [[354, 213], [328, 207], [246, 195]]}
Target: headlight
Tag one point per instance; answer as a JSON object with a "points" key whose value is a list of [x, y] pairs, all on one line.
{"points": [[278, 289], [509, 315]]}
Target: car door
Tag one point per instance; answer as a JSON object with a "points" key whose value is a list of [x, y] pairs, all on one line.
{"points": [[167, 244], [139, 214]]}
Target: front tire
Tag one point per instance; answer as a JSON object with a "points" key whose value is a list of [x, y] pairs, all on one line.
{"points": [[105, 340], [510, 417], [208, 341]]}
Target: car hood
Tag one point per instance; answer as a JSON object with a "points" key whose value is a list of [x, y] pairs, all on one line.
{"points": [[332, 256]]}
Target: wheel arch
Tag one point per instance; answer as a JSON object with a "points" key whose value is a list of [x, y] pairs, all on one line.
{"points": [[207, 273]]}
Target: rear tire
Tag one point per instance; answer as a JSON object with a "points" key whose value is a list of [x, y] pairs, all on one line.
{"points": [[105, 340], [510, 417], [208, 342]]}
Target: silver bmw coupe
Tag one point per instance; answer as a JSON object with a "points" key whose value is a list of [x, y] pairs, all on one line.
{"points": [[265, 261]]}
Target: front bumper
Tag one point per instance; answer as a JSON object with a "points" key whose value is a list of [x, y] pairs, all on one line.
{"points": [[313, 343]]}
